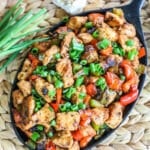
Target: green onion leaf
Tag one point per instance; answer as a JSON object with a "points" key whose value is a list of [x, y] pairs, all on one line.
{"points": [[105, 43], [79, 81], [131, 54], [101, 83], [95, 34], [35, 136], [130, 43], [89, 25]]}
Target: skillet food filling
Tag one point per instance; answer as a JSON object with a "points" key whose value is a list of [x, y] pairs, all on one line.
{"points": [[75, 87]]}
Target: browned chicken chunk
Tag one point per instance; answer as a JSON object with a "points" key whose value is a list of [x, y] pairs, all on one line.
{"points": [[128, 30], [114, 20], [66, 44], [43, 88], [25, 87], [115, 115], [63, 139], [42, 46], [99, 115], [76, 22], [67, 121], [49, 54], [76, 99], [64, 68], [43, 116], [75, 146], [90, 54], [107, 32], [17, 98], [28, 107], [85, 37], [26, 71], [87, 131]]}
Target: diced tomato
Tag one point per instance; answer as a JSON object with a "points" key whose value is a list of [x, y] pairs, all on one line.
{"points": [[94, 42], [142, 52], [130, 97], [77, 135], [107, 51], [85, 141], [113, 81], [91, 89], [85, 119], [50, 146], [34, 60], [96, 18], [33, 77], [55, 106]]}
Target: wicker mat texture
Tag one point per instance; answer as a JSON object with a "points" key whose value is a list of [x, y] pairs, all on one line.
{"points": [[134, 133]]}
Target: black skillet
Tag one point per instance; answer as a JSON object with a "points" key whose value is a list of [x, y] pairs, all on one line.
{"points": [[132, 15]]}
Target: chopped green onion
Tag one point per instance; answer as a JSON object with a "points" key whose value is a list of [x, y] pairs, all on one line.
{"points": [[65, 107], [82, 106], [82, 95], [95, 103], [76, 67], [65, 19], [101, 82], [58, 83], [50, 134], [96, 69], [86, 70], [105, 43], [122, 77], [74, 107], [117, 49], [79, 81], [83, 62], [69, 92], [52, 93], [89, 25], [31, 144], [57, 56], [130, 43], [95, 34], [41, 71], [34, 51], [35, 136], [131, 54], [53, 123], [76, 49], [40, 127]]}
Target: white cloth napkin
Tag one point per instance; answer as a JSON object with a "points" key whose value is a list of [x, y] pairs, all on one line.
{"points": [[71, 6]]}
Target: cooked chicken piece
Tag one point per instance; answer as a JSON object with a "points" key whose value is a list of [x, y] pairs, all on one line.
{"points": [[66, 44], [17, 98], [90, 54], [115, 115], [28, 107], [87, 131], [26, 71], [43, 88], [43, 116], [59, 148], [114, 20], [76, 22], [42, 46], [67, 121], [76, 98], [63, 139], [96, 18], [93, 79], [85, 37], [107, 32], [108, 97], [135, 63], [25, 87], [75, 146], [64, 68], [99, 115], [123, 39], [128, 30], [113, 60], [50, 54]]}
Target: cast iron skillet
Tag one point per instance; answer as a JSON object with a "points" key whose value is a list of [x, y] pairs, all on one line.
{"points": [[132, 13]]}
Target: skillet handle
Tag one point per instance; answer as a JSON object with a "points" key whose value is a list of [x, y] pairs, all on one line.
{"points": [[133, 8]]}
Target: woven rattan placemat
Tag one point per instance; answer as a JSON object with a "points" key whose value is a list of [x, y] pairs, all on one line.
{"points": [[134, 134]]}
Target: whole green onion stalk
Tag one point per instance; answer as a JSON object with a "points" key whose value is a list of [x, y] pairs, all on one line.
{"points": [[14, 28]]}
